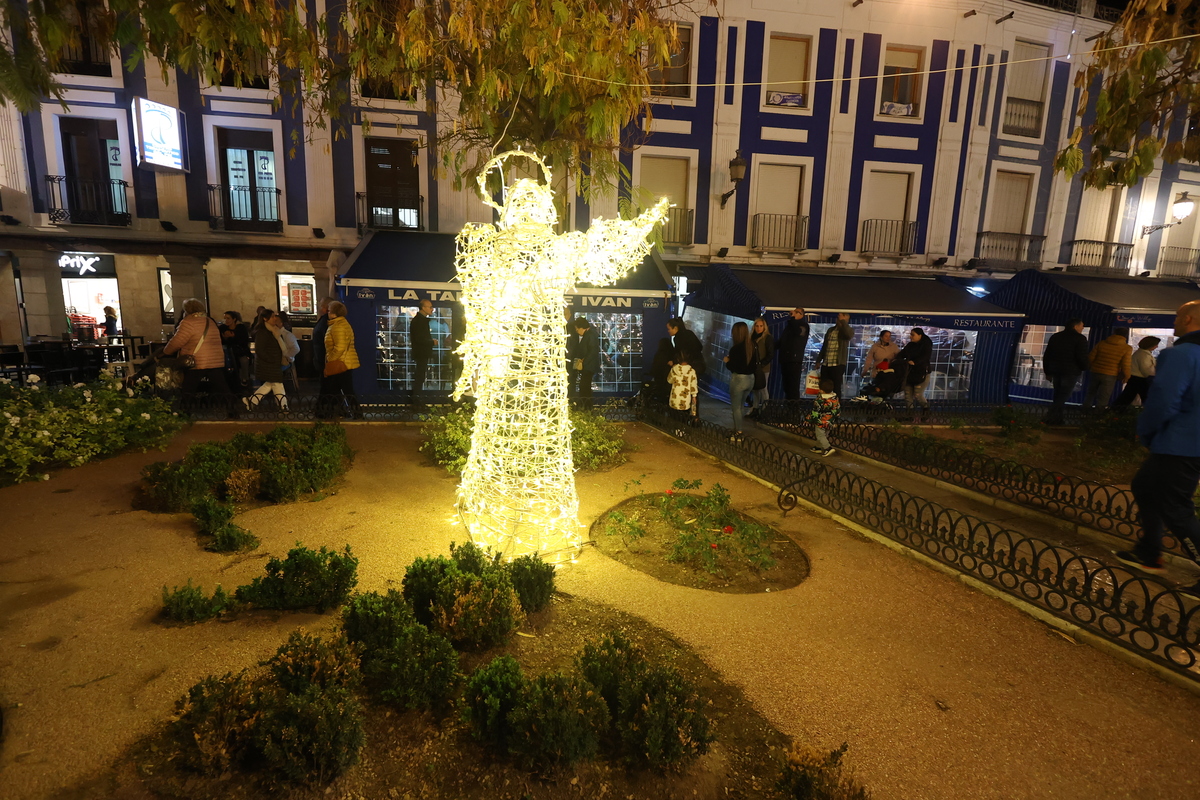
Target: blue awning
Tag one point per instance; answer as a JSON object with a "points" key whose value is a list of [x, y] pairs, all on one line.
{"points": [[1048, 298]]}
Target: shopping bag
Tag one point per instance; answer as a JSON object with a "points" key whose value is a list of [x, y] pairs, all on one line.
{"points": [[812, 384]]}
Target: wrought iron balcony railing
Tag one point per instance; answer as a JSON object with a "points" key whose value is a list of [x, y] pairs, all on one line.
{"points": [[74, 201], [244, 208], [677, 230], [1104, 258], [1179, 262], [1009, 250], [1023, 117], [779, 233], [389, 211], [888, 237]]}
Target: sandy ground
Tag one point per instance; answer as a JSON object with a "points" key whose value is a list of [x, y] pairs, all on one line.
{"points": [[940, 691]]}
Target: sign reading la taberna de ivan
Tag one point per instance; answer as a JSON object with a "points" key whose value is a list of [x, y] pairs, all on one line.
{"points": [[597, 301]]}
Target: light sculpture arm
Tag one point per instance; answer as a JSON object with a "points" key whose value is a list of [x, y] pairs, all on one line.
{"points": [[615, 246]]}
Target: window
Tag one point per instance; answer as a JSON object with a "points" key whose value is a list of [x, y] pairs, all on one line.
{"points": [[91, 191], [382, 89], [901, 94], [950, 365], [393, 196], [248, 199], [675, 80], [779, 221], [395, 365], [1011, 200], [87, 56], [166, 297], [1027, 366], [1027, 73], [256, 77], [297, 296], [787, 72], [668, 177], [620, 351]]}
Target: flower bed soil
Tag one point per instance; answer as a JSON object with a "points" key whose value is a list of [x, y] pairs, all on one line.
{"points": [[422, 755], [649, 553]]}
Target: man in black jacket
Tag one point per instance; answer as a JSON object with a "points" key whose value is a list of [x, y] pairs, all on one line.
{"points": [[421, 342], [685, 341], [792, 344], [1065, 359]]}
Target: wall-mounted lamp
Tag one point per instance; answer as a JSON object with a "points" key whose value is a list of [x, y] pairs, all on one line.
{"points": [[724, 251], [167, 225], [319, 233], [1094, 37], [1006, 17], [737, 171], [1181, 209], [970, 13], [833, 259], [9, 220], [856, 3]]}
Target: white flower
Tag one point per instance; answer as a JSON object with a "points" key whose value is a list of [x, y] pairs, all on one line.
{"points": [[129, 392], [79, 386], [44, 433], [14, 421], [87, 393], [174, 413], [8, 415], [33, 379], [5, 380], [118, 410], [46, 477], [145, 415]]}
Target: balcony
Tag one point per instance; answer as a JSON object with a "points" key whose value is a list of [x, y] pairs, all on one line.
{"points": [[1107, 13], [1100, 258], [1023, 117], [1179, 262], [888, 237], [244, 208], [1069, 6], [1009, 250], [74, 201], [677, 229], [779, 233], [89, 56], [389, 211]]}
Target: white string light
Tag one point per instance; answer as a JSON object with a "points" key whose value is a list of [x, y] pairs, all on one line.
{"points": [[517, 493]]}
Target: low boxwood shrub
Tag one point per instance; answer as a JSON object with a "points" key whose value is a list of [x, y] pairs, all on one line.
{"points": [[557, 722], [596, 443], [469, 596], [305, 579], [421, 581], [305, 662], [374, 621], [190, 604], [213, 722], [533, 581], [215, 520], [491, 694], [309, 738], [610, 663], [810, 774], [279, 466]]}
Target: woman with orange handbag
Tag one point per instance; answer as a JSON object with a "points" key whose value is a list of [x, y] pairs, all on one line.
{"points": [[341, 359]]}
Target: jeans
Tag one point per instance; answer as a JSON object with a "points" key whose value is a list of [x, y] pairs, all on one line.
{"points": [[1064, 384], [1099, 391], [916, 394], [1136, 387], [420, 368], [739, 386], [1163, 488], [760, 396], [822, 437], [834, 374], [793, 379]]}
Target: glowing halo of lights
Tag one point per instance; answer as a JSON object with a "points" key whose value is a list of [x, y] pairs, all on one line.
{"points": [[517, 492]]}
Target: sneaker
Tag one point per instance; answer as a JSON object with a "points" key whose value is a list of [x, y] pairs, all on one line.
{"points": [[817, 449], [827, 451], [1190, 591], [1137, 561], [736, 437]]}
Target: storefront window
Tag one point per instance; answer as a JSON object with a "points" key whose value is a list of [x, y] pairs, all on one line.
{"points": [[1027, 366], [620, 352], [395, 365], [166, 297], [297, 296], [950, 368], [1166, 336]]}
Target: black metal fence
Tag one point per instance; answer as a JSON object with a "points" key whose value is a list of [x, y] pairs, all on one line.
{"points": [[779, 233], [76, 201], [1136, 612], [888, 237], [1104, 258], [1009, 250]]}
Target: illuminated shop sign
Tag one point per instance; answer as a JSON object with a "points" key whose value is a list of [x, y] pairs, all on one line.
{"points": [[88, 265], [159, 136]]}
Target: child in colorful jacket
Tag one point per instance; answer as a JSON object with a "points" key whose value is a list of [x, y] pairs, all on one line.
{"points": [[824, 411], [684, 388]]}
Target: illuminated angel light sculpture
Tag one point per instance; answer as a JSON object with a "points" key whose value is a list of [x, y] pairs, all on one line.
{"points": [[517, 494]]}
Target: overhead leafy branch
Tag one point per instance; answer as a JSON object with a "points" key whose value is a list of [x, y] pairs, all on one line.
{"points": [[1147, 68], [563, 77]]}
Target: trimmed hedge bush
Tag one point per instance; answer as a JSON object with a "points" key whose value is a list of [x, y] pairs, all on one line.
{"points": [[305, 579], [189, 603], [557, 723], [216, 520], [810, 774], [491, 694], [307, 662], [533, 581], [469, 597], [213, 722]]}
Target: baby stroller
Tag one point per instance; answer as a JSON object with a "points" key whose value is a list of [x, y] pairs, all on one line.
{"points": [[889, 379]]}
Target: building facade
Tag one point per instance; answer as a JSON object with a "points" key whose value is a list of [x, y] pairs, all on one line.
{"points": [[900, 136]]}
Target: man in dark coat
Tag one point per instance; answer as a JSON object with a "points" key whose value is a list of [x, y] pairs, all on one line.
{"points": [[587, 362], [686, 341], [792, 344], [1065, 359], [420, 340]]}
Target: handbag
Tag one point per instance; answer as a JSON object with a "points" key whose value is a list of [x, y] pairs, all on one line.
{"points": [[188, 360], [334, 368], [760, 379], [812, 383]]}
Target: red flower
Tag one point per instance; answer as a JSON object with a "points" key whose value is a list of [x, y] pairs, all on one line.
{"points": [[728, 529], [670, 491], [1058, 478], [713, 545]]}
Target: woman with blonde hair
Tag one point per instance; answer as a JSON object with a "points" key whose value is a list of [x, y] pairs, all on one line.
{"points": [[197, 342], [110, 321], [341, 359], [764, 354]]}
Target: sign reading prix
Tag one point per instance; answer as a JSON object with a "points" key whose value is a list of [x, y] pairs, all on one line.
{"points": [[88, 265], [160, 138]]}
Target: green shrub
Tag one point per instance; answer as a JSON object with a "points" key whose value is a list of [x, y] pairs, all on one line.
{"points": [[305, 579], [213, 722], [625, 527], [232, 539], [421, 581], [470, 559], [375, 621], [1016, 427], [810, 774], [660, 719], [596, 443], [419, 670], [477, 611], [533, 581], [557, 722], [491, 694], [305, 662], [612, 662], [307, 738], [189, 604], [215, 520]]}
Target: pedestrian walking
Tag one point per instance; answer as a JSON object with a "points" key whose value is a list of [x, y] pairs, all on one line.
{"points": [[764, 354], [685, 388], [683, 339], [235, 337], [835, 351], [916, 355], [341, 359], [884, 350], [268, 362], [740, 361], [793, 343], [1065, 359], [1141, 369], [825, 410], [199, 337], [1109, 362], [1169, 425], [420, 342]]}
